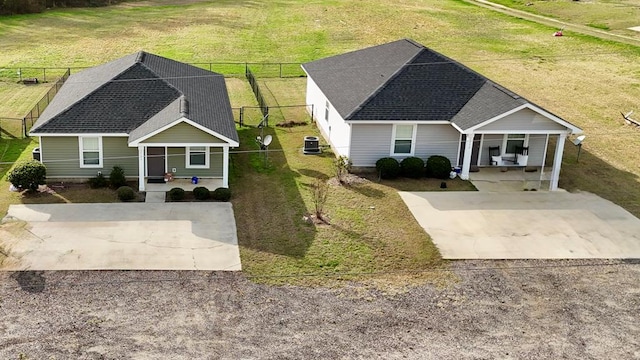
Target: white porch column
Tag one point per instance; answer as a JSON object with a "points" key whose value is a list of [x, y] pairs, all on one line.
{"points": [[466, 162], [557, 162], [140, 168], [225, 166]]}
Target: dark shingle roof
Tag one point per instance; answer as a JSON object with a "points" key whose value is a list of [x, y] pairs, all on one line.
{"points": [[137, 94], [403, 80]]}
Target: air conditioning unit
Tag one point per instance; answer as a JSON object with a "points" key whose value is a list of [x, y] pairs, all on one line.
{"points": [[311, 145]]}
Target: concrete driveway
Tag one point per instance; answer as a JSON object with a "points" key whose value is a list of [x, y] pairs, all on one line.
{"points": [[525, 225], [170, 236]]}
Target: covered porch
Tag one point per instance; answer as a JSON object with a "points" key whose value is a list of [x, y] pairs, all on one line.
{"points": [[506, 179], [185, 184]]}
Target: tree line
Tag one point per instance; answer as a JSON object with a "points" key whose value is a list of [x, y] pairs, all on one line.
{"points": [[10, 7]]}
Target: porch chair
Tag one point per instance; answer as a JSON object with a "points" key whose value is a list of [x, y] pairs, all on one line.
{"points": [[522, 155], [496, 158]]}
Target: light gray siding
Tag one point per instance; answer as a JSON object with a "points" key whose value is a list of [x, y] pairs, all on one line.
{"points": [[61, 157], [437, 139], [176, 159], [182, 133], [370, 142], [536, 149], [523, 120], [489, 140]]}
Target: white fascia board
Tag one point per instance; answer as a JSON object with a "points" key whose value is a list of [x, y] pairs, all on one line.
{"points": [[548, 115], [185, 120], [399, 122], [164, 144], [526, 132], [80, 134]]}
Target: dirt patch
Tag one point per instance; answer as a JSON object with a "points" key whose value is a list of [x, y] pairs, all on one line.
{"points": [[509, 310]]}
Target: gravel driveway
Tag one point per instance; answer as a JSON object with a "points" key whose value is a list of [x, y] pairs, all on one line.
{"points": [[497, 310]]}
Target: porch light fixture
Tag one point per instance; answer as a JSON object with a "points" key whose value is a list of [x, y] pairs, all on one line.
{"points": [[578, 142]]}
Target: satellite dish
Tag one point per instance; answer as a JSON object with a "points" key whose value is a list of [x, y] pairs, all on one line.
{"points": [[579, 140], [267, 140]]}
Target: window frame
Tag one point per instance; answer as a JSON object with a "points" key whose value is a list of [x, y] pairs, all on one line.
{"points": [[394, 138], [327, 109], [187, 161], [81, 149], [506, 139]]}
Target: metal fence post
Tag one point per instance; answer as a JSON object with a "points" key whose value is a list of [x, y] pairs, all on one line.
{"points": [[241, 115], [24, 128], [312, 112]]}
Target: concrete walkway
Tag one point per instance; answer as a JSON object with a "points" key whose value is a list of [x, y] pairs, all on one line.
{"points": [[155, 197], [171, 236], [525, 225]]}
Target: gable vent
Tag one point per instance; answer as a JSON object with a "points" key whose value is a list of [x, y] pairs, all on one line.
{"points": [[184, 106]]}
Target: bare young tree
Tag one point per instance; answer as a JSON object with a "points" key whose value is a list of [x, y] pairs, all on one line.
{"points": [[319, 194], [342, 166]]}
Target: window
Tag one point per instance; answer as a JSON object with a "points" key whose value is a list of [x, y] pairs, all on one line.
{"points": [[197, 157], [326, 110], [403, 140], [513, 142], [90, 151]]}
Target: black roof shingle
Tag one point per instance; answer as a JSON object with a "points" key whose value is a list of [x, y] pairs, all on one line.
{"points": [[136, 95], [404, 80]]}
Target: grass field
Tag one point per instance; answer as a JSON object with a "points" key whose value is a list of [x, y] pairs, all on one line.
{"points": [[583, 79], [616, 16]]}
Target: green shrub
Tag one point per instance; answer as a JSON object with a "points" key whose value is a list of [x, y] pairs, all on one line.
{"points": [[126, 193], [201, 193], [28, 175], [221, 194], [117, 178], [412, 167], [438, 167], [176, 194], [97, 182], [388, 168]]}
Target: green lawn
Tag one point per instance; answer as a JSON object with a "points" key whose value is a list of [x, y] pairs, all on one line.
{"points": [[615, 16]]}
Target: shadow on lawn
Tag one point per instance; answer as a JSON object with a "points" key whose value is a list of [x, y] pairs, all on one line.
{"points": [[594, 175], [267, 203], [10, 151]]}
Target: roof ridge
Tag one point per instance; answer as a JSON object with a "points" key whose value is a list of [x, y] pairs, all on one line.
{"points": [[394, 75], [158, 76]]}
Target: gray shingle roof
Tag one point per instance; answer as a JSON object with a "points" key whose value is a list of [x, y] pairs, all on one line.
{"points": [[137, 94], [403, 80]]}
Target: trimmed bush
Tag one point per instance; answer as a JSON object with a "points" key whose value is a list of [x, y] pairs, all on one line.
{"points": [[201, 193], [221, 194], [126, 193], [176, 194], [97, 182], [388, 168], [438, 167], [28, 175], [412, 167], [117, 178]]}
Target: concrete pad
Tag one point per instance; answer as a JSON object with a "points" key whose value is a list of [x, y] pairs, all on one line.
{"points": [[171, 236], [155, 197], [525, 225]]}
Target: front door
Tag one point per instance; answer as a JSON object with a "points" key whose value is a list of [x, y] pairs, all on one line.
{"points": [[155, 162], [475, 149]]}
